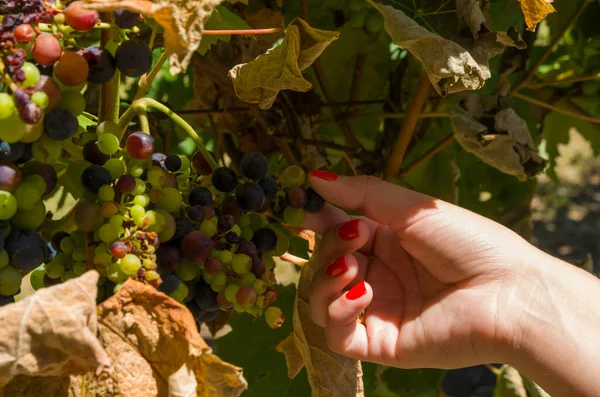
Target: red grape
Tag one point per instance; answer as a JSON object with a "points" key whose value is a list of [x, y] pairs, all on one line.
{"points": [[140, 145], [212, 266], [200, 165], [126, 184], [196, 246], [24, 33], [46, 49], [71, 69], [246, 296], [80, 18], [118, 249], [9, 177]]}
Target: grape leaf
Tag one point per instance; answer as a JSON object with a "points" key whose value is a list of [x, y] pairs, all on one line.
{"points": [[469, 13], [182, 20], [450, 66], [52, 332], [535, 11], [299, 247], [221, 18], [509, 383], [280, 68]]}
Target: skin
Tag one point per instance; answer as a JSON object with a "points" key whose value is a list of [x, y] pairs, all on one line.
{"points": [[447, 288]]}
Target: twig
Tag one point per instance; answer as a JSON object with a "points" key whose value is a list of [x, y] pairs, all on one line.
{"points": [[109, 92], [556, 109], [572, 80], [408, 126], [578, 109], [427, 155], [242, 31], [531, 71], [357, 78], [345, 156]]}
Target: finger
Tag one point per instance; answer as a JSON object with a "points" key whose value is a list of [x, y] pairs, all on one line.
{"points": [[383, 202], [345, 334], [341, 240], [329, 283]]}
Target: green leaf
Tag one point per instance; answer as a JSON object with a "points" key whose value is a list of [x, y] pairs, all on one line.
{"points": [[299, 247], [220, 19]]}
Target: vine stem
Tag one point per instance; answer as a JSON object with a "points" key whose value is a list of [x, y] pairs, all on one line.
{"points": [[531, 71], [571, 80], [556, 109], [408, 127], [242, 31], [109, 92]]}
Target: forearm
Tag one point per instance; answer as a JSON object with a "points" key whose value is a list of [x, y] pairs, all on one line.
{"points": [[559, 342]]}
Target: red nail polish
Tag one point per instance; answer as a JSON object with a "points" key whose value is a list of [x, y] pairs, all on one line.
{"points": [[337, 268], [349, 230], [357, 291], [325, 175]]}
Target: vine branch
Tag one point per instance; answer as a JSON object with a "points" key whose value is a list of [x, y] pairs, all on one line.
{"points": [[556, 109], [572, 80]]}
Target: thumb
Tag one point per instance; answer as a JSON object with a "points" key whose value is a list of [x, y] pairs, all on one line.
{"points": [[381, 201]]}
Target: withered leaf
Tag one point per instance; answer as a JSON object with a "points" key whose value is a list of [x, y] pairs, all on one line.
{"points": [[499, 137], [330, 374], [451, 67], [535, 11], [509, 383], [156, 350], [182, 20], [469, 13], [280, 68], [52, 332]]}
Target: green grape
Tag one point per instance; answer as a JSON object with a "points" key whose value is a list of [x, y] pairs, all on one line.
{"points": [[248, 279], [79, 237], [36, 277], [108, 127], [259, 286], [293, 176], [244, 221], [79, 268], [185, 163], [274, 317], [114, 272], [106, 193], [187, 271], [209, 228], [283, 244], [241, 263], [117, 288], [219, 281], [12, 129], [62, 258], [41, 99], [237, 230], [67, 245], [269, 262], [238, 308], [108, 233], [27, 196], [142, 200], [73, 101], [10, 281], [8, 205], [46, 150], [151, 275], [293, 216], [247, 233], [102, 256], [171, 200], [159, 224], [4, 259], [149, 218], [79, 254], [116, 167], [156, 177], [32, 74], [140, 187], [55, 268], [68, 275], [37, 181], [170, 225], [108, 144], [137, 212], [130, 264], [230, 292], [226, 257], [136, 170], [180, 293], [7, 106], [117, 220], [30, 219]]}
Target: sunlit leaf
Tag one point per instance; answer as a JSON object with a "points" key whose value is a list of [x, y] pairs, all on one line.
{"points": [[535, 11]]}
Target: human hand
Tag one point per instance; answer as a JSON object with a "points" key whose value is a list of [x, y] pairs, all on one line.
{"points": [[435, 281]]}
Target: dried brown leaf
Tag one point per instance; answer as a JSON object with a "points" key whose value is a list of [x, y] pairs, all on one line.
{"points": [[470, 14], [182, 20], [280, 68], [450, 66], [293, 358], [52, 332], [535, 11]]}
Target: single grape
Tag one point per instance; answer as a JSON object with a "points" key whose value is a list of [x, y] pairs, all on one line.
{"points": [[67, 245], [130, 264], [60, 124], [12, 128], [30, 219], [206, 317], [224, 179], [168, 257], [314, 201], [265, 240], [200, 165], [94, 177], [173, 163], [73, 101], [108, 127], [293, 176], [7, 105], [126, 19], [41, 99], [209, 228], [231, 291], [250, 196], [26, 248], [170, 227], [247, 280], [196, 246], [36, 278], [247, 248], [116, 167], [205, 297], [212, 266], [46, 49], [254, 165], [101, 63], [32, 75], [259, 267], [30, 113], [71, 69], [187, 271], [269, 186], [46, 171], [170, 283], [296, 197], [156, 177], [246, 296], [171, 200], [142, 200], [80, 18], [126, 184], [293, 216], [10, 176], [38, 182], [24, 33], [108, 233], [137, 212], [195, 213], [8, 205], [274, 317], [10, 281], [139, 145], [134, 58], [241, 263], [57, 238], [88, 216], [108, 144]]}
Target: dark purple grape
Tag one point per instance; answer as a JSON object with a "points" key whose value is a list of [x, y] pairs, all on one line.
{"points": [[195, 213], [126, 184], [200, 196], [250, 196], [200, 165], [208, 316], [196, 246], [232, 238], [56, 239], [206, 298], [134, 58], [126, 19], [168, 257], [158, 159], [248, 248], [225, 223], [60, 124], [224, 179], [258, 267], [94, 177], [170, 283], [254, 165], [21, 98], [101, 63], [30, 113], [183, 227], [230, 206], [265, 240], [269, 186], [92, 153], [26, 248], [10, 176], [296, 197], [173, 163], [46, 171], [314, 201], [11, 152]]}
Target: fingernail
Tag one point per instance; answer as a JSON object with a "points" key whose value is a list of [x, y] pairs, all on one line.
{"points": [[357, 291], [349, 230], [325, 175], [337, 268]]}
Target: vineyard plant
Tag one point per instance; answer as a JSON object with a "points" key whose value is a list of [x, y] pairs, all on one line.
{"points": [[153, 175]]}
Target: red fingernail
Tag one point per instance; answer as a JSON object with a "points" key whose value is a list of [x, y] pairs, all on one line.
{"points": [[337, 268], [357, 291], [349, 230], [325, 175]]}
